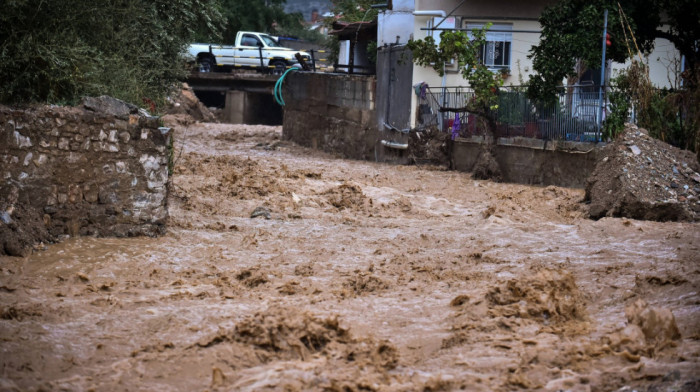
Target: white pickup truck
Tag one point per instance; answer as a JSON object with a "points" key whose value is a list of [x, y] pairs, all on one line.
{"points": [[252, 50]]}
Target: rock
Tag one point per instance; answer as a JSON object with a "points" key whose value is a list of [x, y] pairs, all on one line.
{"points": [[109, 105], [635, 150], [5, 218], [185, 103], [261, 211]]}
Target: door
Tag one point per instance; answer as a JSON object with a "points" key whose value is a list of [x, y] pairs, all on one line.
{"points": [[248, 53]]}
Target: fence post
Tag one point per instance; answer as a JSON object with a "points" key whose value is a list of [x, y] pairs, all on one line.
{"points": [[313, 60], [262, 65], [602, 77]]}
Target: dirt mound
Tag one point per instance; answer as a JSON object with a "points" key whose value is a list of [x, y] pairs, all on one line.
{"points": [[21, 227], [299, 345], [641, 177], [347, 196], [550, 296], [184, 102]]}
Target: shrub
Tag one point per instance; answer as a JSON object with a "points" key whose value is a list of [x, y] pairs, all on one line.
{"points": [[60, 50]]}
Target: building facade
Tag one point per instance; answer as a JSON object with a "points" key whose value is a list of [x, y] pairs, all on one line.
{"points": [[515, 30]]}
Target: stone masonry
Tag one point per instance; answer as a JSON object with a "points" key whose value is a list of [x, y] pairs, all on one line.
{"points": [[100, 169]]}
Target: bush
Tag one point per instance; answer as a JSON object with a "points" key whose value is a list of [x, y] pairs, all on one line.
{"points": [[669, 115], [61, 50]]}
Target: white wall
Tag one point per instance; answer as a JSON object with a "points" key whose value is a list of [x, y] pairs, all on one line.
{"points": [[663, 62], [394, 23], [403, 5]]}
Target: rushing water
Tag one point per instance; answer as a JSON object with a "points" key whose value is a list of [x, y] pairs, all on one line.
{"points": [[452, 273]]}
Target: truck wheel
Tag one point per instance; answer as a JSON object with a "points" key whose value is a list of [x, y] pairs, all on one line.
{"points": [[280, 67], [206, 64]]}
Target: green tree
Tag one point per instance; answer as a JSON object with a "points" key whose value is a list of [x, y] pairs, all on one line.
{"points": [[60, 50], [265, 16], [572, 31], [350, 11], [354, 10]]}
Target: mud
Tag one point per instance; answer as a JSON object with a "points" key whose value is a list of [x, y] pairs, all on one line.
{"points": [[23, 229], [364, 277], [184, 108]]}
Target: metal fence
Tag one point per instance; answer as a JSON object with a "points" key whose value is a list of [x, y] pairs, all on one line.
{"points": [[574, 115]]}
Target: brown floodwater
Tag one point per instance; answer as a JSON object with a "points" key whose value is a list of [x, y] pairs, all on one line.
{"points": [[366, 276]]}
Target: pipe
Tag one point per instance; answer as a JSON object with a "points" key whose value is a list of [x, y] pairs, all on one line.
{"points": [[395, 145], [430, 13]]}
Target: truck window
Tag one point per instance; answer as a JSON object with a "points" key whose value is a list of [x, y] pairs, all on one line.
{"points": [[270, 41], [250, 40]]}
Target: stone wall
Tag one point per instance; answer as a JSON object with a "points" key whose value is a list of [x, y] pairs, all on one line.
{"points": [[99, 169], [532, 161], [332, 112]]}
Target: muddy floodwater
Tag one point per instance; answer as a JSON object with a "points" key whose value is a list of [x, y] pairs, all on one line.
{"points": [[355, 276]]}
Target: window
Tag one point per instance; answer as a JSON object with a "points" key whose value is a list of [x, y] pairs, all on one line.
{"points": [[250, 40], [496, 53], [270, 41]]}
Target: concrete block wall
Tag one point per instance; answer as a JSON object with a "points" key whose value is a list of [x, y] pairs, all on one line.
{"points": [[332, 112], [85, 172], [532, 161]]}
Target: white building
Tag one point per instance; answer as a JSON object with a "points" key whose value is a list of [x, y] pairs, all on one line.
{"points": [[514, 31]]}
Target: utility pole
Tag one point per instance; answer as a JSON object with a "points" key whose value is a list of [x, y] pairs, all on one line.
{"points": [[602, 75]]}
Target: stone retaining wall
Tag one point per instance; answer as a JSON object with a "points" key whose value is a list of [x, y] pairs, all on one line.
{"points": [[97, 172]]}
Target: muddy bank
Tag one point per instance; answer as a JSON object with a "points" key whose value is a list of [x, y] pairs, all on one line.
{"points": [[640, 177], [358, 276]]}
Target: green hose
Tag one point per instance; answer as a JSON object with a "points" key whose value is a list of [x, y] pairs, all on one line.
{"points": [[277, 92]]}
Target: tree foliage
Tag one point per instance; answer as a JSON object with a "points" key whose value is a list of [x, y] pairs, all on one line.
{"points": [[350, 11], [354, 10], [465, 49], [265, 16], [572, 31], [669, 115], [60, 50]]}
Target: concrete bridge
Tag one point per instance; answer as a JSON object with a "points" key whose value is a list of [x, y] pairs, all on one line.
{"points": [[245, 96]]}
